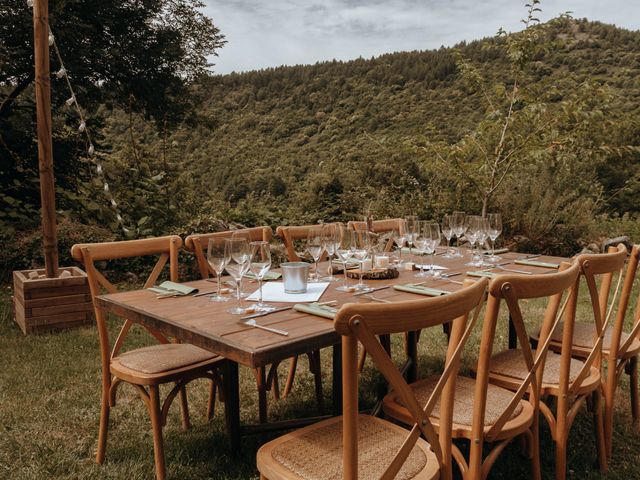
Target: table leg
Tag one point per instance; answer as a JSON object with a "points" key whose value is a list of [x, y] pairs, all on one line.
{"points": [[337, 379], [412, 353], [513, 336], [232, 403]]}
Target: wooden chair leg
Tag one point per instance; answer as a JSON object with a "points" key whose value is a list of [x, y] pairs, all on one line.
{"points": [[633, 387], [262, 393], [211, 404], [534, 451], [608, 423], [561, 457], [184, 408], [156, 425], [104, 428], [601, 447], [291, 377]]}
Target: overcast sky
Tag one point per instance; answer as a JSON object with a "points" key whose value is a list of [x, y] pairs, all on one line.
{"points": [[269, 33]]}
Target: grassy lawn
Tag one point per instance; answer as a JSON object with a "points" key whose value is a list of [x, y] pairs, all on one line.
{"points": [[49, 404]]}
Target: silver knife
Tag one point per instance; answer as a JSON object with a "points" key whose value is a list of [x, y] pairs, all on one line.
{"points": [[371, 291]]}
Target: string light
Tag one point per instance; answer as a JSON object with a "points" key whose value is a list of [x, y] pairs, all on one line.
{"points": [[82, 128], [30, 3]]}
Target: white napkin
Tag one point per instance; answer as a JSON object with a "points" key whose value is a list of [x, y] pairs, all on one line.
{"points": [[274, 292]]}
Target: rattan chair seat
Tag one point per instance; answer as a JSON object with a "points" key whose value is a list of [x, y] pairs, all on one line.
{"points": [[497, 401], [162, 358], [584, 337], [510, 363], [315, 452]]}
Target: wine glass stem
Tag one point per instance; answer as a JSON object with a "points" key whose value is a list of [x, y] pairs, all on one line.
{"points": [[493, 248], [239, 292], [344, 270], [219, 283], [431, 257], [260, 288], [316, 269]]}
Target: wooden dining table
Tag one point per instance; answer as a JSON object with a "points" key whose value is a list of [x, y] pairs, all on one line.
{"points": [[207, 324]]}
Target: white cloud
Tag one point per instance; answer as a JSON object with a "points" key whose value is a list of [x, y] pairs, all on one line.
{"points": [[269, 33]]}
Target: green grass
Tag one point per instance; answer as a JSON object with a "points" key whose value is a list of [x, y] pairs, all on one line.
{"points": [[49, 404]]}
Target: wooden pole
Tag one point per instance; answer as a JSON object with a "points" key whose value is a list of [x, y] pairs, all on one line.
{"points": [[45, 145]]}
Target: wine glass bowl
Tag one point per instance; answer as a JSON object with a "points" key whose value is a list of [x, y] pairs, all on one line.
{"points": [[259, 265], [217, 258], [239, 254]]}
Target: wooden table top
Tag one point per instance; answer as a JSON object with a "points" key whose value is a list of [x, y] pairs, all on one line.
{"points": [[206, 324]]}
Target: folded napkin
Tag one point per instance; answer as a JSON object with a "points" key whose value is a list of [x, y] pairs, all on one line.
{"points": [[498, 251], [169, 287], [420, 290], [325, 311], [533, 263], [481, 273], [268, 276]]}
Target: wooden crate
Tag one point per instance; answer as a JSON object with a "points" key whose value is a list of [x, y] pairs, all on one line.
{"points": [[45, 304]]}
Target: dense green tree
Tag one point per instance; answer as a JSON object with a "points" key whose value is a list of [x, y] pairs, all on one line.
{"points": [[148, 50]]}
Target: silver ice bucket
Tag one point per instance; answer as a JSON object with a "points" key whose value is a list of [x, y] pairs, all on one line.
{"points": [[294, 276]]}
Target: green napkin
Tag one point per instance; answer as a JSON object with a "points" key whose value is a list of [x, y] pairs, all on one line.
{"points": [[420, 290], [481, 273], [498, 251], [169, 287], [268, 276], [533, 263], [325, 311]]}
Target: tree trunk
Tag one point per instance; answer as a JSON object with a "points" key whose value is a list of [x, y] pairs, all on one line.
{"points": [[485, 205], [45, 144]]}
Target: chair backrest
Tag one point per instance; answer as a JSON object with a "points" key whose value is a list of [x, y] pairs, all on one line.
{"points": [[88, 253], [380, 226], [601, 266], [291, 234], [511, 289], [362, 322], [630, 276], [198, 243]]}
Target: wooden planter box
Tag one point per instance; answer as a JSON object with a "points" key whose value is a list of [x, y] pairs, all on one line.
{"points": [[44, 304]]}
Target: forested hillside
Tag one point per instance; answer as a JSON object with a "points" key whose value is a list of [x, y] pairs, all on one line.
{"points": [[328, 141]]}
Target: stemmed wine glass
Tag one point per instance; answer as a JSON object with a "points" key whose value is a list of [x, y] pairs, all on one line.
{"points": [[399, 237], [260, 264], [344, 252], [435, 238], [458, 224], [217, 257], [494, 231], [483, 233], [329, 241], [315, 247], [410, 225], [422, 243], [361, 247], [472, 235], [239, 254], [447, 232]]}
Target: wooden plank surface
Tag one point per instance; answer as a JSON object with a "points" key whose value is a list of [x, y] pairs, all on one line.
{"points": [[207, 324]]}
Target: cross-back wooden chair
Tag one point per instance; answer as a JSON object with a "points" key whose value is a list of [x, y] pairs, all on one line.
{"points": [[380, 226], [361, 446], [571, 382], [603, 339], [289, 235], [149, 367], [198, 244], [293, 233], [489, 414]]}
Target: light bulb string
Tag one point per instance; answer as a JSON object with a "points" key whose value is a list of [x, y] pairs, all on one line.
{"points": [[83, 129]]}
